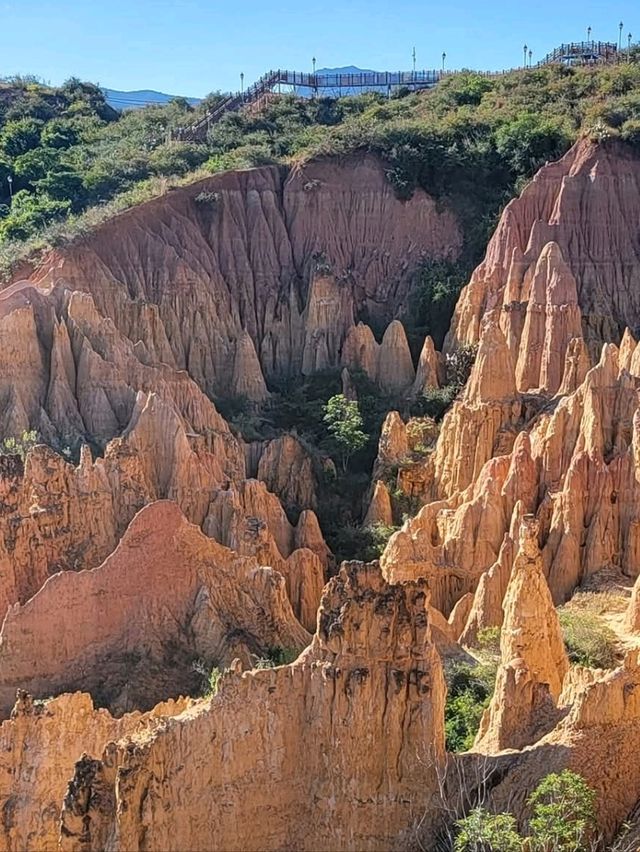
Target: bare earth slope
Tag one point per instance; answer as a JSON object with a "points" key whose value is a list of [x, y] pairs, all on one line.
{"points": [[291, 258]]}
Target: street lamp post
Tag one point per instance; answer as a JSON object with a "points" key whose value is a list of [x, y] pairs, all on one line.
{"points": [[530, 55], [10, 182], [629, 48], [242, 82], [525, 48], [588, 33], [620, 26], [313, 62], [414, 61], [444, 56]]}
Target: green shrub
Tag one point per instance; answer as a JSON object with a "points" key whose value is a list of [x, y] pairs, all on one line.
{"points": [[469, 691], [530, 140], [434, 402], [434, 292], [563, 820], [563, 817], [275, 657], [18, 137], [213, 683], [19, 446], [589, 642], [489, 640], [459, 364], [30, 212], [482, 831], [370, 542]]}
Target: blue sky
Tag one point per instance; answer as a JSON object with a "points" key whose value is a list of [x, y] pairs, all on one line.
{"points": [[191, 47]]}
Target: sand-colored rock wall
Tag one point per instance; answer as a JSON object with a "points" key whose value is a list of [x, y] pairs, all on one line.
{"points": [[360, 705]]}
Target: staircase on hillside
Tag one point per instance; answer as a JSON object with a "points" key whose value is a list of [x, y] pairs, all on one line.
{"points": [[574, 53]]}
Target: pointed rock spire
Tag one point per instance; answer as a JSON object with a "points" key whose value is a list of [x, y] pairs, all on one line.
{"points": [[628, 346], [493, 374], [533, 657], [429, 370], [394, 442], [395, 367], [247, 379], [380, 510], [632, 615], [553, 319], [576, 366], [360, 350]]}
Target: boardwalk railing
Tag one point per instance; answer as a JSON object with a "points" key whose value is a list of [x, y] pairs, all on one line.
{"points": [[582, 52], [585, 52], [314, 82]]}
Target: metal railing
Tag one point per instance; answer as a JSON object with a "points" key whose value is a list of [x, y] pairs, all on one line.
{"points": [[585, 52], [582, 51]]}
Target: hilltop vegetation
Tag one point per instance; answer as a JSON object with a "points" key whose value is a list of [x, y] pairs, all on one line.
{"points": [[64, 150], [471, 142]]}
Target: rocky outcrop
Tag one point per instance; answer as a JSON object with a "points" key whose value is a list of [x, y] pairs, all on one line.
{"points": [[632, 615], [360, 350], [395, 367], [267, 252], [533, 658], [586, 205], [129, 630], [552, 321], [388, 363], [530, 487], [546, 431], [430, 372], [380, 510], [393, 445], [39, 747], [60, 517], [371, 673], [483, 422], [287, 469], [595, 738], [247, 379]]}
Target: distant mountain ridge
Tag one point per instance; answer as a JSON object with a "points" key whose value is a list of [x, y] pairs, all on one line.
{"points": [[140, 98]]}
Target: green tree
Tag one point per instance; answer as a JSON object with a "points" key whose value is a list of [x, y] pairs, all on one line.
{"points": [[60, 133], [62, 185], [35, 164], [18, 137], [563, 814], [29, 213], [530, 140], [482, 831], [344, 421]]}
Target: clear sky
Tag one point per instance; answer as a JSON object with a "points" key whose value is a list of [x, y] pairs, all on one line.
{"points": [[191, 47]]}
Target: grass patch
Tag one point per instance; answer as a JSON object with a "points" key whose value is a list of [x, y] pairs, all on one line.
{"points": [[588, 641], [599, 603]]}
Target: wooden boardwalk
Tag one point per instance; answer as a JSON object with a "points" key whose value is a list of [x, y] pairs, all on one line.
{"points": [[589, 52]]}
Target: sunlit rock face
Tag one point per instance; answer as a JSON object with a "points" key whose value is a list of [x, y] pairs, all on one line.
{"points": [[372, 673], [587, 206], [171, 547]]}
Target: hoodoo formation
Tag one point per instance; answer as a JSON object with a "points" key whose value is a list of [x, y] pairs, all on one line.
{"points": [[213, 400]]}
